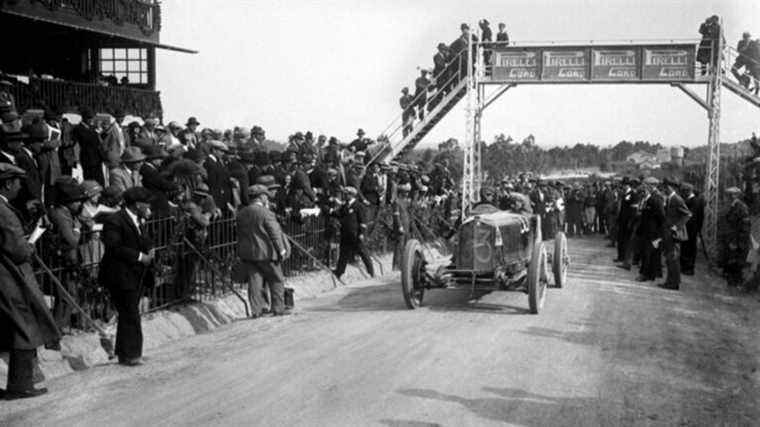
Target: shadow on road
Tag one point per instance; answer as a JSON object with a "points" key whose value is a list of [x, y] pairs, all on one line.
{"points": [[518, 406], [388, 297]]}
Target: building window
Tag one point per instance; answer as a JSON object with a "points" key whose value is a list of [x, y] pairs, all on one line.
{"points": [[125, 62]]}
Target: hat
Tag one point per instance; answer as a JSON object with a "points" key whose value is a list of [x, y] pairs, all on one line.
{"points": [[405, 90], [332, 141], [257, 190], [151, 121], [174, 125], [464, 27], [9, 116], [425, 179], [219, 145], [70, 191], [91, 187], [192, 121], [267, 181], [442, 46], [119, 113], [350, 190], [733, 190], [687, 187], [671, 182], [360, 132], [651, 180], [51, 114], [38, 132], [160, 127], [332, 172], [360, 154], [8, 171], [257, 130], [86, 113], [154, 152], [132, 155], [185, 167], [298, 135], [405, 187], [137, 194], [202, 190]]}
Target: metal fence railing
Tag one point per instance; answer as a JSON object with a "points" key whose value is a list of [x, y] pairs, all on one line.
{"points": [[188, 265]]}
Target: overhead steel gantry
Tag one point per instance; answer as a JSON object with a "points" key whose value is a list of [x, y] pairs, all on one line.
{"points": [[670, 62]]}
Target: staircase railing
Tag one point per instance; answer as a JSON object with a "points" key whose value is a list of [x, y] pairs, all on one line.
{"points": [[422, 100]]}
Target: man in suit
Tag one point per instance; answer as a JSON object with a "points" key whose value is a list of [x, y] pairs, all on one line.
{"points": [[650, 232], [156, 181], [353, 224], [735, 239], [629, 203], [25, 320], [114, 141], [128, 174], [674, 232], [29, 200], [219, 178], [90, 154], [696, 205], [262, 246], [125, 270]]}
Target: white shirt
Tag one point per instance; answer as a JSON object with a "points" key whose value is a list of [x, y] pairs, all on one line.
{"points": [[135, 220]]}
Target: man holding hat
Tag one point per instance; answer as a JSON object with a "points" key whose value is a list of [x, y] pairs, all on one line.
{"points": [[25, 320], [735, 242], [125, 270], [127, 175], [353, 224], [262, 246]]}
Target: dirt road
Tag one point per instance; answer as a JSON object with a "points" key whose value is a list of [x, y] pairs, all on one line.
{"points": [[605, 351]]}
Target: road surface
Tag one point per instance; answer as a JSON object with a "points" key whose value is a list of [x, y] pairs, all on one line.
{"points": [[605, 351]]}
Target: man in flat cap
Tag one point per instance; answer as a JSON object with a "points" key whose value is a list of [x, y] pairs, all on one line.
{"points": [[262, 246], [25, 320], [674, 232], [125, 270], [735, 240], [696, 205], [353, 224]]}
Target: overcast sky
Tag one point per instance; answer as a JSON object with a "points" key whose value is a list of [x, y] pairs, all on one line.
{"points": [[332, 66]]}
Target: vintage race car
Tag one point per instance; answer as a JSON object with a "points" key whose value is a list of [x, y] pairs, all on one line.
{"points": [[495, 249]]}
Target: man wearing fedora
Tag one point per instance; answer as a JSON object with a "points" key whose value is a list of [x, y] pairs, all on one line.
{"points": [[735, 240], [696, 205], [189, 137], [674, 232], [86, 136], [25, 320], [262, 246], [64, 216], [125, 270], [127, 175], [353, 224], [157, 182]]}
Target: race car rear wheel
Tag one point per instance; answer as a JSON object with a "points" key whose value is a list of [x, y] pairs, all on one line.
{"points": [[412, 273], [560, 260], [537, 283]]}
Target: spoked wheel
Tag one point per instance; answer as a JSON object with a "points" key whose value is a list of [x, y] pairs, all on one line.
{"points": [[412, 271], [560, 260], [537, 278]]}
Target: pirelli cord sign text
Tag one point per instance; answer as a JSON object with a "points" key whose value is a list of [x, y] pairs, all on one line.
{"points": [[649, 63]]}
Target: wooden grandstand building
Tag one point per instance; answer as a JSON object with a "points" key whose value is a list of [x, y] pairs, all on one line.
{"points": [[71, 54]]}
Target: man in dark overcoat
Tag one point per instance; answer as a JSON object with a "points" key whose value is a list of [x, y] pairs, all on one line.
{"points": [[650, 232], [125, 270], [674, 232], [696, 205], [219, 178], [353, 224], [25, 320]]}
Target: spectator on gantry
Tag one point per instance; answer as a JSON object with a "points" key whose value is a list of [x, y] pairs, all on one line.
{"points": [[502, 37], [407, 110], [127, 175], [421, 87], [486, 36]]}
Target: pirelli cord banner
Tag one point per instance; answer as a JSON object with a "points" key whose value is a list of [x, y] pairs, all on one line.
{"points": [[631, 63]]}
